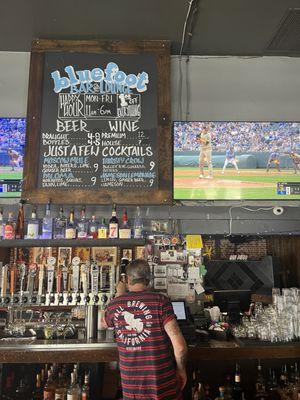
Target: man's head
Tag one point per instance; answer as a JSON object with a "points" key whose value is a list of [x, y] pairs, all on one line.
{"points": [[138, 272]]}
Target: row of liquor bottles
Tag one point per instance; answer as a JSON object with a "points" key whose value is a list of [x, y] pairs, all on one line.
{"points": [[273, 385], [54, 283], [62, 227], [55, 382]]}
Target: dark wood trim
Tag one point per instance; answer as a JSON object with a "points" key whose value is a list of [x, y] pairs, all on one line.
{"points": [[33, 128], [164, 193], [101, 46], [123, 243], [29, 354]]}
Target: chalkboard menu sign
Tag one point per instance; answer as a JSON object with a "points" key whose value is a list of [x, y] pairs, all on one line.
{"points": [[99, 123]]}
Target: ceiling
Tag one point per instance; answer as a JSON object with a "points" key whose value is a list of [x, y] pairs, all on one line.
{"points": [[221, 27]]}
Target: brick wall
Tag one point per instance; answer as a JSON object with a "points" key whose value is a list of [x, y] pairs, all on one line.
{"points": [[255, 249]]}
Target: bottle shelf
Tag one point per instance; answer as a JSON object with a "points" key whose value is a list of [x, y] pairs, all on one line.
{"points": [[71, 242]]}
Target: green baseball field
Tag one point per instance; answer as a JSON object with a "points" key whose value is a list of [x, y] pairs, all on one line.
{"points": [[7, 173], [250, 184]]}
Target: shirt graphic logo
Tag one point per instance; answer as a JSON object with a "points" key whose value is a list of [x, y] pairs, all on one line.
{"points": [[133, 324]]}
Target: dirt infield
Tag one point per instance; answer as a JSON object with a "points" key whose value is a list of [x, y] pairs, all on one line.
{"points": [[215, 182]]}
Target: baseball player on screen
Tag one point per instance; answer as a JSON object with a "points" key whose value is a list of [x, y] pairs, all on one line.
{"points": [[296, 161], [204, 139], [230, 159], [275, 159]]}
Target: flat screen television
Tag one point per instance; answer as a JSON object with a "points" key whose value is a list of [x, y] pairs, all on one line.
{"points": [[12, 142], [236, 160]]}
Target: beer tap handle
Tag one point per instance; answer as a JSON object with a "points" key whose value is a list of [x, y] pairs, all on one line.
{"points": [[13, 278], [64, 270], [51, 261], [4, 280], [59, 274], [41, 279], [31, 278], [22, 272]]}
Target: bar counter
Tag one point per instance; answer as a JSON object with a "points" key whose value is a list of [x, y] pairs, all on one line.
{"points": [[62, 351]]}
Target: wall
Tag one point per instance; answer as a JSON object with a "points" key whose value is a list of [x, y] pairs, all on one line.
{"points": [[238, 89], [285, 251], [221, 88], [14, 74]]}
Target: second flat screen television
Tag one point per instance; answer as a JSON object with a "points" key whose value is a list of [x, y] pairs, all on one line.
{"points": [[236, 160], [12, 143]]}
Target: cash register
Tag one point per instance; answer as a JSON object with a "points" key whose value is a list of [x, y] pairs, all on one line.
{"points": [[186, 325]]}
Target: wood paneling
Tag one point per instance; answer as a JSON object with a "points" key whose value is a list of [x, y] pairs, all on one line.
{"points": [[287, 251]]}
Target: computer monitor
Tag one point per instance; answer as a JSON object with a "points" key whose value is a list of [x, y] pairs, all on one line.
{"points": [[180, 310], [233, 302]]}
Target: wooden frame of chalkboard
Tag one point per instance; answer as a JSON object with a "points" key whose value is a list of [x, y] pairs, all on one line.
{"points": [[56, 167]]}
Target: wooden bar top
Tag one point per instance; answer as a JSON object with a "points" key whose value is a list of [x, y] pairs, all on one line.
{"points": [[62, 351]]}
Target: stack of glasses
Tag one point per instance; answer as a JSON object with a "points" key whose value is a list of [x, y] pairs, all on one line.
{"points": [[277, 322]]}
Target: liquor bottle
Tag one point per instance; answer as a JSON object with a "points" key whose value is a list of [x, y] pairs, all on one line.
{"points": [[291, 374], [260, 384], [9, 228], [102, 230], [125, 230], [21, 391], [283, 378], [50, 387], [295, 383], [20, 225], [228, 387], [196, 387], [33, 226], [61, 390], [1, 224], [221, 393], [93, 228], [113, 228], [42, 374], [60, 224], [237, 392], [38, 391], [82, 225], [85, 392], [272, 386], [207, 395], [297, 374], [138, 225], [9, 390], [47, 225], [71, 227], [74, 392]]}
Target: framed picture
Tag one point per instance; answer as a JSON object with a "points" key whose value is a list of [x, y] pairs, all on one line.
{"points": [[105, 255], [127, 253], [140, 252], [40, 254], [160, 283], [159, 226], [159, 270], [64, 255], [172, 256], [83, 253]]}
